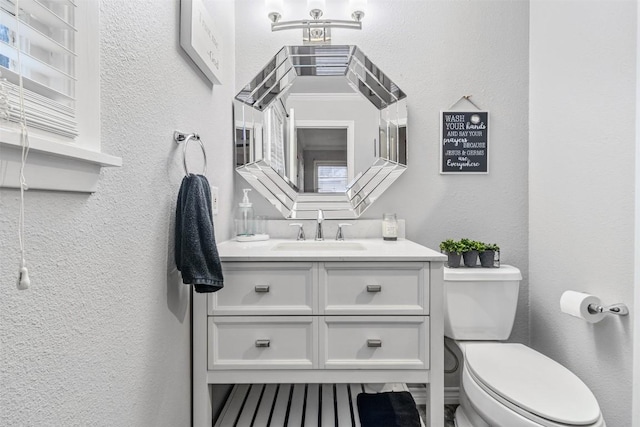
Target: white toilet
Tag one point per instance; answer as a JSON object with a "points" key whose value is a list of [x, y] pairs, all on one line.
{"points": [[504, 384]]}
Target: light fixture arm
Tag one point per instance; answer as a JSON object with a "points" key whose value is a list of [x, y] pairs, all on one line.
{"points": [[316, 23]]}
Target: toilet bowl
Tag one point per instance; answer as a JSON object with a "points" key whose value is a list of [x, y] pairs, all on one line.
{"points": [[507, 384]]}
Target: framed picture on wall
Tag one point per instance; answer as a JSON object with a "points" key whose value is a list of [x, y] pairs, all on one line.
{"points": [[199, 39], [464, 143]]}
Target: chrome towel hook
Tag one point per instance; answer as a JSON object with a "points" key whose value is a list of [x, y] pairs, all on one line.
{"points": [[183, 138]]}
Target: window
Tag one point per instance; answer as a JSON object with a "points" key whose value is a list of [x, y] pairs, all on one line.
{"points": [[46, 40], [331, 177], [275, 119], [55, 48]]}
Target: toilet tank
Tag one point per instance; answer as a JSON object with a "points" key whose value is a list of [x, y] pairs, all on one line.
{"points": [[480, 303]]}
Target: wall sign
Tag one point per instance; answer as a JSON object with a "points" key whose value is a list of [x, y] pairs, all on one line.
{"points": [[199, 39], [464, 147]]}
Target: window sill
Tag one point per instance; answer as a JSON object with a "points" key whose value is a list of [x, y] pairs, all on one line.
{"points": [[52, 165]]}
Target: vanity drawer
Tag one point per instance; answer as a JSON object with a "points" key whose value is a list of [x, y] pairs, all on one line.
{"points": [[274, 288], [374, 288], [274, 342], [372, 342]]}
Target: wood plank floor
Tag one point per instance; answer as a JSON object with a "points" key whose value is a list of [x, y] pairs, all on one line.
{"points": [[297, 405]]}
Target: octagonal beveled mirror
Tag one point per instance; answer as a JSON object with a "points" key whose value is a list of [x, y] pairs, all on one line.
{"points": [[320, 127]]}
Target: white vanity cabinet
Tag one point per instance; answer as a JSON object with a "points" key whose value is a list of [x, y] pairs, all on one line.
{"points": [[314, 318], [381, 288]]}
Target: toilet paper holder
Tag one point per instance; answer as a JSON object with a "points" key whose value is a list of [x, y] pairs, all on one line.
{"points": [[619, 309], [588, 307]]}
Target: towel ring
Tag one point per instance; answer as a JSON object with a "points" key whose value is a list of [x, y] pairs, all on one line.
{"points": [[183, 138]]}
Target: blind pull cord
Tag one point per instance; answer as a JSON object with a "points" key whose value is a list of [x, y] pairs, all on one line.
{"points": [[23, 281]]}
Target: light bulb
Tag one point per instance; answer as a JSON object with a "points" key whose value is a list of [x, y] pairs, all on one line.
{"points": [[316, 7], [275, 9], [358, 9]]}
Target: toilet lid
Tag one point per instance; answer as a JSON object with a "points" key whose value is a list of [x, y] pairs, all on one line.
{"points": [[532, 382]]}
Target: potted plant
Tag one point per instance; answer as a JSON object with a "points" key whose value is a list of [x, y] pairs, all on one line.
{"points": [[488, 255], [470, 251], [453, 250]]}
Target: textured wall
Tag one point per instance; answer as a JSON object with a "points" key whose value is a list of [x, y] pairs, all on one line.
{"points": [[437, 51], [582, 179], [102, 337]]}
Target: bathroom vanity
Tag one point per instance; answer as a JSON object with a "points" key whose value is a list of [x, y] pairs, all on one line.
{"points": [[358, 311]]}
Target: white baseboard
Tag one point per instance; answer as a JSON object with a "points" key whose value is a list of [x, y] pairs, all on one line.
{"points": [[452, 395], [419, 393]]}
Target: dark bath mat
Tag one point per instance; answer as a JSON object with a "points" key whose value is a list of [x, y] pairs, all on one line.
{"points": [[389, 409]]}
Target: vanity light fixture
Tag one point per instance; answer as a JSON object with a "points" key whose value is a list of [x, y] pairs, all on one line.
{"points": [[315, 30]]}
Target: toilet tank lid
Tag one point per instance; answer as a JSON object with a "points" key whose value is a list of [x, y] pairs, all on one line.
{"points": [[479, 274], [533, 382]]}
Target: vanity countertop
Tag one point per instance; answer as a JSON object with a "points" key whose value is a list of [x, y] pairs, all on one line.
{"points": [[327, 250]]}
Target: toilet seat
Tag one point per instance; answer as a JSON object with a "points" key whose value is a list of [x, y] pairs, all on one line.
{"points": [[511, 382]]}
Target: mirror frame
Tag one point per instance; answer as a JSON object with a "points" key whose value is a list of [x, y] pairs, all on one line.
{"points": [[272, 82]]}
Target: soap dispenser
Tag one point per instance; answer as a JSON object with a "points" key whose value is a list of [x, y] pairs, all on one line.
{"points": [[244, 219]]}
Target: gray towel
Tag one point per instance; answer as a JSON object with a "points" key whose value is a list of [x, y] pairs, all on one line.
{"points": [[195, 245]]}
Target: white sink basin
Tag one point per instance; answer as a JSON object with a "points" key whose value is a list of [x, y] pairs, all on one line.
{"points": [[318, 246]]}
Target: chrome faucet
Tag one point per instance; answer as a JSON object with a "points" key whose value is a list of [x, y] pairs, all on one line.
{"points": [[319, 233], [340, 233], [300, 230]]}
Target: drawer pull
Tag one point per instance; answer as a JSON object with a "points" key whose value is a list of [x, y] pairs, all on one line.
{"points": [[374, 288], [263, 343], [374, 343], [262, 288]]}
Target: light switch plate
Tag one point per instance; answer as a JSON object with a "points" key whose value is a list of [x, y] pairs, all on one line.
{"points": [[214, 200]]}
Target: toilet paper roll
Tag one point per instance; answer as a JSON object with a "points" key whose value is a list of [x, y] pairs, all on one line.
{"points": [[577, 305]]}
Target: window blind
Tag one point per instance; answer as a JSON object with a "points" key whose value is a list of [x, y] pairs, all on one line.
{"points": [[276, 139], [46, 39], [331, 177]]}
